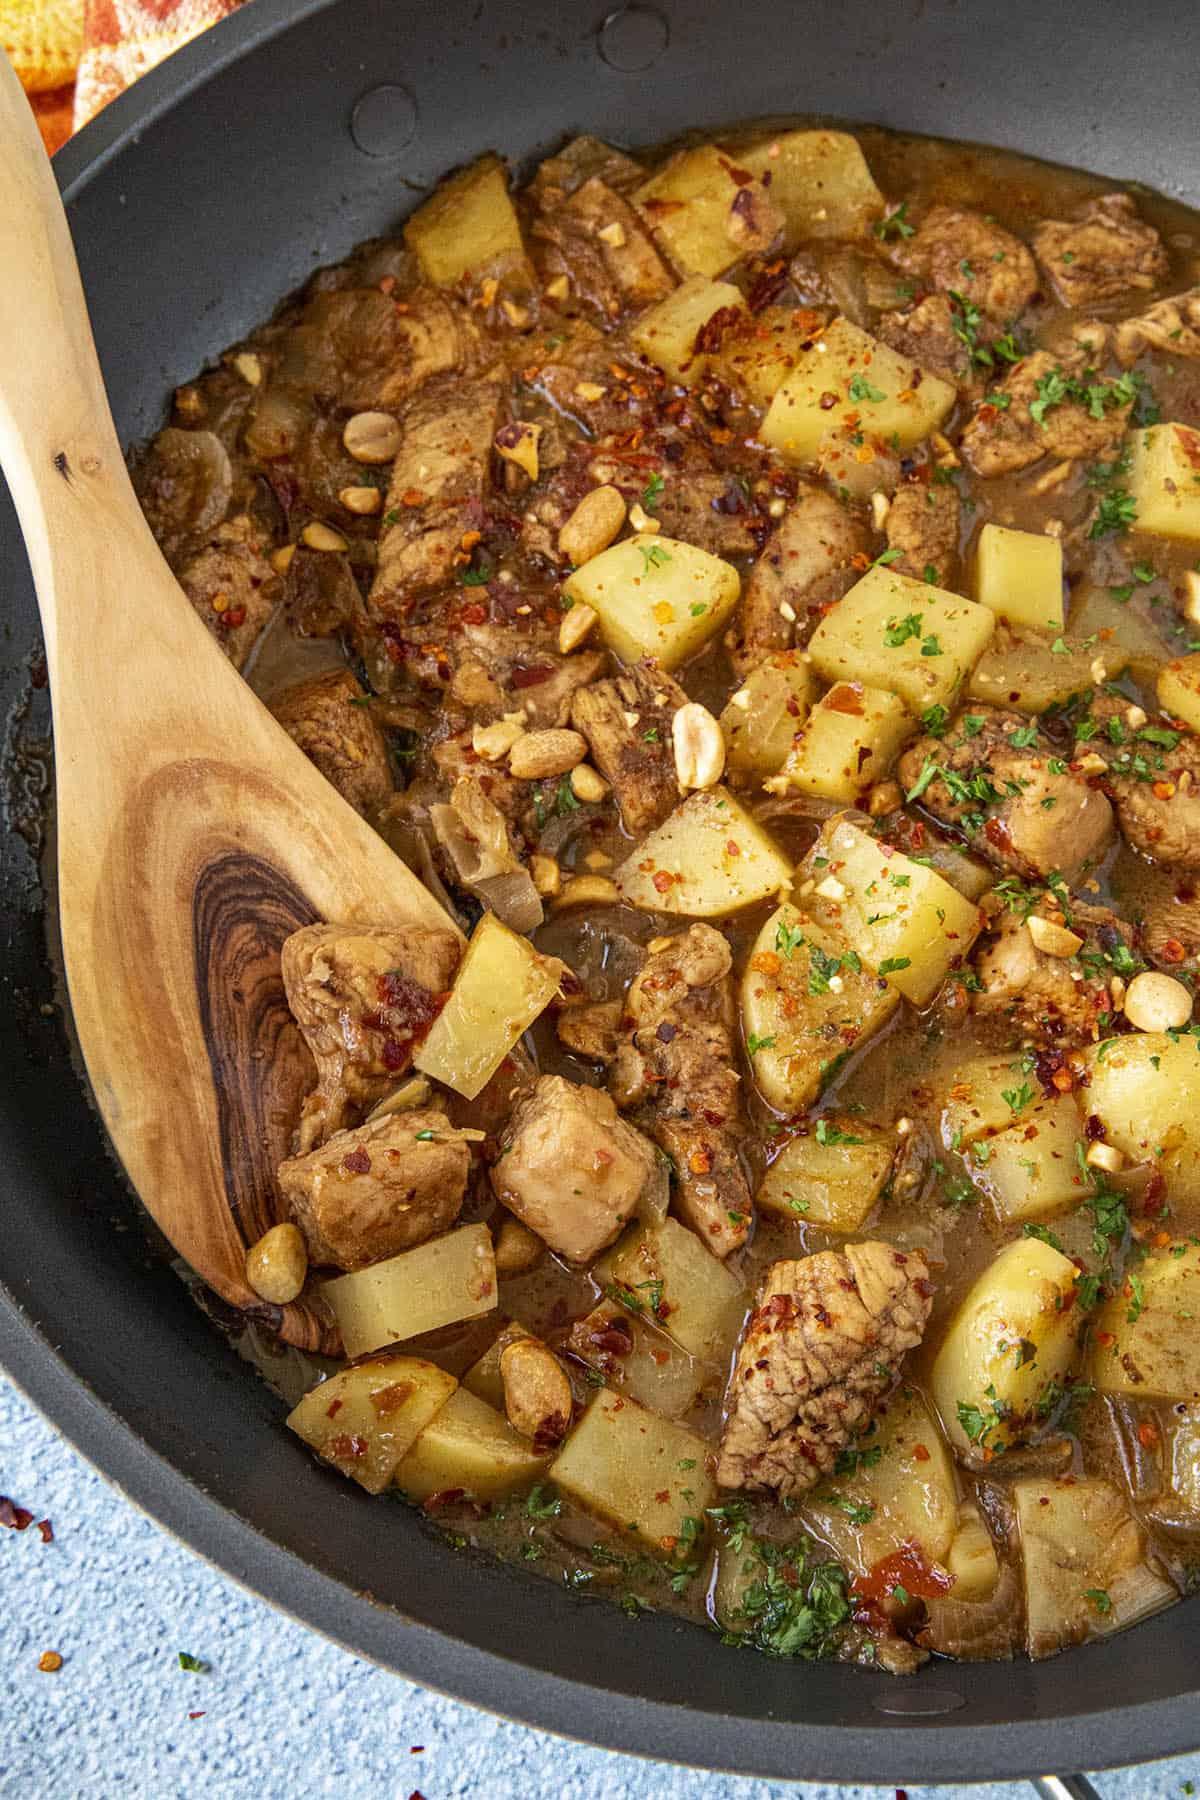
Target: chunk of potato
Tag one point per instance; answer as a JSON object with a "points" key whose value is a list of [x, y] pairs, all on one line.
{"points": [[914, 639], [820, 182], [1030, 1170], [834, 1183], [451, 1277], [766, 712], [906, 923], [654, 1371], [850, 739], [656, 596], [758, 352], [1146, 1338], [665, 1273], [1165, 481], [1015, 1332], [363, 1419], [1145, 1090], [632, 1468], [666, 333], [874, 390], [905, 1494], [468, 221], [690, 209], [708, 859], [501, 986], [989, 1094], [1019, 575], [1179, 690], [971, 1558], [1119, 630], [469, 1445], [1032, 673], [1082, 1551]]}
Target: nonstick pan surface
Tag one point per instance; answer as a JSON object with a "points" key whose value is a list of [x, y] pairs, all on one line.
{"points": [[267, 147]]}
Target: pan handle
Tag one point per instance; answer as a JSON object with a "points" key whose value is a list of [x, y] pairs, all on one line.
{"points": [[1065, 1787]]}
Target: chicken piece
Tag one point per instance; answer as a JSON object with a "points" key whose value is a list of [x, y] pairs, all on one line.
{"points": [[584, 157], [368, 351], [1171, 325], [931, 333], [627, 723], [381, 1188], [999, 441], [986, 1630], [233, 587], [537, 1394], [599, 243], [1153, 777], [807, 563], [436, 492], [364, 997], [184, 484], [820, 1350], [329, 716], [676, 1054], [320, 594], [961, 252], [707, 507], [1101, 253], [1055, 1002], [572, 1170], [522, 662], [990, 778], [923, 524], [1170, 930], [592, 1031]]}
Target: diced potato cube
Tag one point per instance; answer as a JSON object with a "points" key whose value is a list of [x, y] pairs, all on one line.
{"points": [[1014, 1333], [903, 1486], [766, 712], [874, 390], [819, 181], [363, 1420], [1019, 575], [656, 597], [1145, 1090], [690, 208], [807, 1003], [758, 352], [1082, 1552], [708, 859], [483, 1377], [632, 1468], [834, 1183], [906, 923], [1146, 1338], [501, 986], [1179, 690], [470, 220], [1165, 481], [1032, 673], [451, 1277], [1119, 630], [666, 1273], [914, 639], [469, 1445], [989, 1094], [666, 334], [850, 740], [1030, 1170]]}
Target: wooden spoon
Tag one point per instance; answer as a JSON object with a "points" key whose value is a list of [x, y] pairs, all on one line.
{"points": [[193, 835]]}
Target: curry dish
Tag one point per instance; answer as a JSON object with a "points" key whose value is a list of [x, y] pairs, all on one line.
{"points": [[756, 588]]}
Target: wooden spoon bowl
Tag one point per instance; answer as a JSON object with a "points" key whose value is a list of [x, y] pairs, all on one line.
{"points": [[193, 835]]}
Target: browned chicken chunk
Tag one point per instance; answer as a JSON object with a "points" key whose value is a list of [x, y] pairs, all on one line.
{"points": [[1152, 773], [989, 779], [1045, 415], [364, 997], [932, 334], [368, 352], [1053, 997], [922, 524], [378, 1189], [329, 716], [821, 1349], [597, 241], [627, 723], [1101, 253], [1171, 325], [320, 593], [808, 562], [962, 252], [573, 1171], [232, 587]]}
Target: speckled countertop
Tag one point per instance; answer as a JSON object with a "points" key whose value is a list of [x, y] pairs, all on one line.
{"points": [[277, 1709]]}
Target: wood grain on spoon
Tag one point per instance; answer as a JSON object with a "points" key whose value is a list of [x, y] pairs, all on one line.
{"points": [[193, 835]]}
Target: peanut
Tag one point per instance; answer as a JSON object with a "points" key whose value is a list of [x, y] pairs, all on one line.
{"points": [[699, 747], [537, 1394], [363, 500], [587, 785], [541, 753], [1052, 939], [517, 1248], [1155, 1002], [372, 437], [576, 625], [276, 1267], [319, 536], [593, 525]]}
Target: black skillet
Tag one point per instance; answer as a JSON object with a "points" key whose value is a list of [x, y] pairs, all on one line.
{"points": [[271, 145]]}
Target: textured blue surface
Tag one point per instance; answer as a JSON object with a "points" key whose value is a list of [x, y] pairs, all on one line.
{"points": [[283, 1712]]}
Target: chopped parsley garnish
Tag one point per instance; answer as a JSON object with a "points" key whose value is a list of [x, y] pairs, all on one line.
{"points": [[754, 1043], [861, 389], [895, 224], [898, 631], [828, 1134], [1114, 512], [654, 556], [788, 939], [541, 1504], [652, 493]]}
